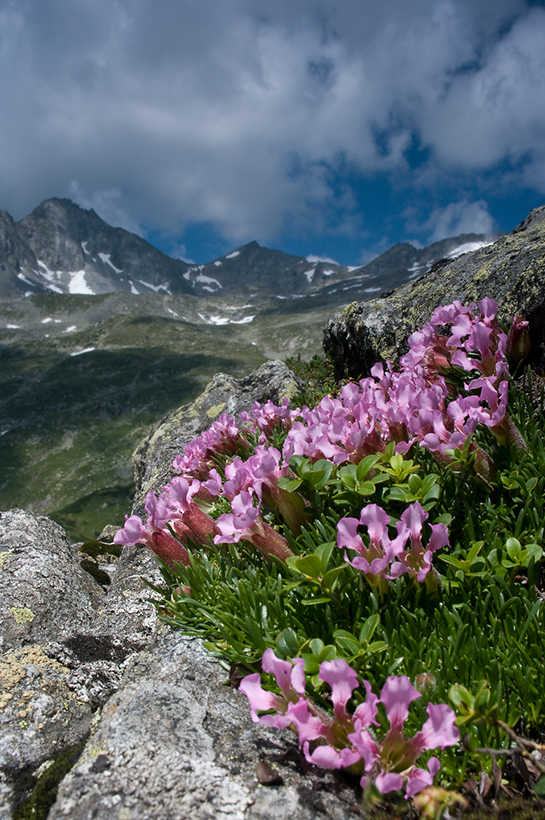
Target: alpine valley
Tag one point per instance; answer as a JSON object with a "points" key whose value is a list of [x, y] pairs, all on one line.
{"points": [[101, 335]]}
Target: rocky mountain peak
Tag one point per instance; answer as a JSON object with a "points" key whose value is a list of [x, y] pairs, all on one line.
{"points": [[64, 248]]}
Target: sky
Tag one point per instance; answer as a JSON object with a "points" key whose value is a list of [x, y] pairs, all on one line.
{"points": [[328, 128]]}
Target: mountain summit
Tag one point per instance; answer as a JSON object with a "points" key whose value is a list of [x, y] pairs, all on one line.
{"points": [[63, 248]]}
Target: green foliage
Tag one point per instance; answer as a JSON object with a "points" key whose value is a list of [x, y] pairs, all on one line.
{"points": [[479, 634], [317, 375]]}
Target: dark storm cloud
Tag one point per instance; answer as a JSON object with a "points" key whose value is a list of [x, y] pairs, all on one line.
{"points": [[241, 113]]}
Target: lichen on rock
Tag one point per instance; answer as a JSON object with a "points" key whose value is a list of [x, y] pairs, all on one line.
{"points": [[511, 271]]}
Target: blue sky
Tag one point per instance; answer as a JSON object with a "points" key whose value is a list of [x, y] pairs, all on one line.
{"points": [[325, 127]]}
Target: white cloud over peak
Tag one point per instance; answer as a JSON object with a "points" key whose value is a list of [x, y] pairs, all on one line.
{"points": [[244, 114], [457, 218], [312, 258]]}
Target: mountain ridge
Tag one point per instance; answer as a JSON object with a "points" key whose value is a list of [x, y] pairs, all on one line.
{"points": [[63, 248]]}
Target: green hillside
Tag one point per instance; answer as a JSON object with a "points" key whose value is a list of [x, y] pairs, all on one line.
{"points": [[71, 416]]}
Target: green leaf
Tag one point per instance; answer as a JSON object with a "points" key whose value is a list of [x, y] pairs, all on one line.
{"points": [[316, 646], [318, 474], [298, 462], [539, 788], [514, 549], [397, 494], [315, 601], [366, 488], [309, 565], [415, 483], [289, 484], [331, 576], [534, 553], [324, 554], [461, 697], [369, 627], [287, 643], [365, 465], [346, 639]]}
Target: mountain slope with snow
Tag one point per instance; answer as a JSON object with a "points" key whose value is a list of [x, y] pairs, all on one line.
{"points": [[62, 248]]}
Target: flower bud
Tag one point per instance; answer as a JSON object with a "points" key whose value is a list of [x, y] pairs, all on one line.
{"points": [[425, 682], [168, 549], [518, 340]]}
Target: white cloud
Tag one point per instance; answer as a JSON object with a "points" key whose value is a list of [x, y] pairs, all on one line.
{"points": [[239, 113], [312, 258], [459, 217]]}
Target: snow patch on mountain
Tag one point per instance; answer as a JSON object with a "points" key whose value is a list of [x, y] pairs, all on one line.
{"points": [[467, 247], [207, 280], [156, 288], [105, 257], [78, 284], [80, 352], [245, 321]]}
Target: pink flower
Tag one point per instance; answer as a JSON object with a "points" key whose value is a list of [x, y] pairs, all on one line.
{"points": [[385, 559], [259, 699], [290, 675], [245, 522], [346, 740], [343, 680], [159, 541]]}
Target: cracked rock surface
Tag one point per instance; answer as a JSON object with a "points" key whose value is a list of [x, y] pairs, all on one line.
{"points": [[174, 742]]}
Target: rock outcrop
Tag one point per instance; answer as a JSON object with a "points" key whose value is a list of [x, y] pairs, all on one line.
{"points": [[511, 271], [106, 713], [153, 458]]}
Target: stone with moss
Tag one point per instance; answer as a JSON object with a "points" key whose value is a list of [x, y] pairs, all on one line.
{"points": [[511, 271], [224, 394]]}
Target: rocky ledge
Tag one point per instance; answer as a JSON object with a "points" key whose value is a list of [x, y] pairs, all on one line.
{"points": [[511, 271]]}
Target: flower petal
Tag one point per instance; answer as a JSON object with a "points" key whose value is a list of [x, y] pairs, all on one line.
{"points": [[397, 693]]}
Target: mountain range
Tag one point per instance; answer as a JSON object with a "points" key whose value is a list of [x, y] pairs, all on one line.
{"points": [[62, 248]]}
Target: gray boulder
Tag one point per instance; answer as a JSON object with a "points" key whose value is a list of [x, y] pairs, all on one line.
{"points": [[45, 597], [39, 575], [511, 271], [153, 458], [176, 743]]}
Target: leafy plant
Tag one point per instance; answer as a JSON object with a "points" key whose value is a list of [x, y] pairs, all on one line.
{"points": [[395, 529]]}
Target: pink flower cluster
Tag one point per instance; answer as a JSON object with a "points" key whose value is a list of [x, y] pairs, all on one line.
{"points": [[415, 404], [222, 437], [344, 740], [383, 558], [267, 417], [174, 510]]}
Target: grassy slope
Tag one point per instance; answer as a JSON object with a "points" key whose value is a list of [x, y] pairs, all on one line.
{"points": [[72, 422]]}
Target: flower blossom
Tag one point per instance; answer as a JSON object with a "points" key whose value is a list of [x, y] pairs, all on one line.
{"points": [[154, 534], [222, 437], [384, 559], [175, 509], [245, 523], [345, 740]]}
